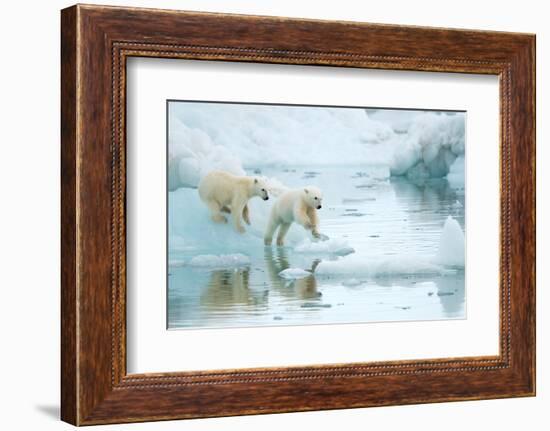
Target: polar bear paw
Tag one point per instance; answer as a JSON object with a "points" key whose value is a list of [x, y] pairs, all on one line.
{"points": [[240, 229]]}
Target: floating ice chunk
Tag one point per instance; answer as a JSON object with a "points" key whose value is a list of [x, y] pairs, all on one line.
{"points": [[192, 229], [220, 261], [335, 246], [456, 173], [352, 282], [294, 273], [451, 244], [378, 267], [406, 265]]}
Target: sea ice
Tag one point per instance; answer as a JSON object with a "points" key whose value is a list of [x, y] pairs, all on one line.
{"points": [[377, 267], [335, 246], [294, 273], [189, 221], [450, 253]]}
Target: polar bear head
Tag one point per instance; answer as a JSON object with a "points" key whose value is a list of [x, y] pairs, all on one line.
{"points": [[259, 189], [313, 197]]}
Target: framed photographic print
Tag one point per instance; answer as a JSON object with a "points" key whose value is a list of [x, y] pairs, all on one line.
{"points": [[317, 215]]}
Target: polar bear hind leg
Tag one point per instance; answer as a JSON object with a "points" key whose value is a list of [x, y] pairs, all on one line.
{"points": [[272, 226], [282, 233], [215, 212], [237, 208], [246, 216]]}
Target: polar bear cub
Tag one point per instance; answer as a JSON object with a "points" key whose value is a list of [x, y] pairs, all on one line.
{"points": [[223, 192], [300, 206]]}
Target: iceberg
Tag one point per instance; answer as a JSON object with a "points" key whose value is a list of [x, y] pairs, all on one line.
{"points": [[451, 244]]}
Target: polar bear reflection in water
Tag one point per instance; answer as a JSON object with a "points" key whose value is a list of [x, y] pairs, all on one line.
{"points": [[229, 288], [223, 192]]}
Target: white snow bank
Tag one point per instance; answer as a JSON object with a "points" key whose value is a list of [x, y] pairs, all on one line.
{"points": [[284, 135], [376, 267], [335, 246], [192, 154], [399, 120], [294, 273], [451, 244], [220, 261], [207, 136]]}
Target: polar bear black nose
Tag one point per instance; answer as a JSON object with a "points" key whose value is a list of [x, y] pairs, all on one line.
{"points": [[319, 207], [266, 198]]}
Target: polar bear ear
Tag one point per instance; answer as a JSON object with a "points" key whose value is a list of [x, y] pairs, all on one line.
{"points": [[306, 190]]}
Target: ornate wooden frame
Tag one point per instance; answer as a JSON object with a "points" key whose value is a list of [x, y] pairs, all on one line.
{"points": [[95, 43]]}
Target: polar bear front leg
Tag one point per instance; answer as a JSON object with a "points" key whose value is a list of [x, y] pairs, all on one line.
{"points": [[301, 216], [237, 208], [314, 219], [215, 212]]}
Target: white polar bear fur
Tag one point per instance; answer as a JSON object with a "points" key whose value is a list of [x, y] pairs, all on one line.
{"points": [[225, 192], [300, 206]]}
